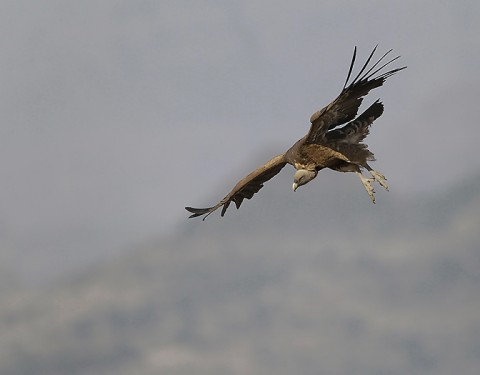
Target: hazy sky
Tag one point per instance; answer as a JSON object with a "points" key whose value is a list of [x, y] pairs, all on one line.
{"points": [[118, 113]]}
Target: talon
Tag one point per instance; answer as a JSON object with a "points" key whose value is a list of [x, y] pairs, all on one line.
{"points": [[380, 178], [367, 184]]}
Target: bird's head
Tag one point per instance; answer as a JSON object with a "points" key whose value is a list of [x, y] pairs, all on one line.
{"points": [[302, 176]]}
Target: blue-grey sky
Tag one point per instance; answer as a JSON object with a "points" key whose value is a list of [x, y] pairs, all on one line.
{"points": [[118, 113]]}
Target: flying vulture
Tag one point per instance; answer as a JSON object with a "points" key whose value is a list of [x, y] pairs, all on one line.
{"points": [[326, 145]]}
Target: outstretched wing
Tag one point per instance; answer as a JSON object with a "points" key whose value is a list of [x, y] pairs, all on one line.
{"points": [[245, 188], [345, 107]]}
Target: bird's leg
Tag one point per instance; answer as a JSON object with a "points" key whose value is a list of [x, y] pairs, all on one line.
{"points": [[367, 184], [377, 176]]}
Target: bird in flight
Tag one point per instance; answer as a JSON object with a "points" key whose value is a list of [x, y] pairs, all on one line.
{"points": [[327, 144]]}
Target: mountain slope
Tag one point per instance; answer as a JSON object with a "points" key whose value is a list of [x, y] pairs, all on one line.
{"points": [[322, 282]]}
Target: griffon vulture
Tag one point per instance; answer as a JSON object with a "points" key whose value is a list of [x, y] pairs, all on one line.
{"points": [[326, 145]]}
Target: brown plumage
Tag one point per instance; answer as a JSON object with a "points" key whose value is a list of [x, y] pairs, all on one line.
{"points": [[326, 145]]}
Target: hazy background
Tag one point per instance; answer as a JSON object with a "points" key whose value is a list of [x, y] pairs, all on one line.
{"points": [[117, 114]]}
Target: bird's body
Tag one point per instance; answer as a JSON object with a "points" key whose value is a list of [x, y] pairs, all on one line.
{"points": [[326, 145]]}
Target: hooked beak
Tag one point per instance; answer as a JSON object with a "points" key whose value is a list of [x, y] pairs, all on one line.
{"points": [[294, 186]]}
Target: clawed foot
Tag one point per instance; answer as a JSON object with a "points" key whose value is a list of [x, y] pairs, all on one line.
{"points": [[367, 184], [380, 178]]}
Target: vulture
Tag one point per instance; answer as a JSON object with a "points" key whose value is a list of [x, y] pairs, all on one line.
{"points": [[333, 141]]}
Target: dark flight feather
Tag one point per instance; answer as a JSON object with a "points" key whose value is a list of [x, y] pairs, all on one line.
{"points": [[345, 107], [356, 130]]}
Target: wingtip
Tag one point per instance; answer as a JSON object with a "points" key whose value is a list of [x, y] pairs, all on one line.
{"points": [[205, 212], [198, 211]]}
